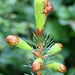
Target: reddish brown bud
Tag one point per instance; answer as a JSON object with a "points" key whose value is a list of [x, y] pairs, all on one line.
{"points": [[37, 65], [36, 53], [12, 40], [44, 56], [48, 8], [62, 68]]}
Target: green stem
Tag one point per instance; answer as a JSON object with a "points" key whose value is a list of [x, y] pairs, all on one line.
{"points": [[16, 41], [40, 17], [24, 45], [56, 48], [57, 66]]}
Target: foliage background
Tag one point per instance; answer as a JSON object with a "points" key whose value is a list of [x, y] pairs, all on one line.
{"points": [[17, 18]]}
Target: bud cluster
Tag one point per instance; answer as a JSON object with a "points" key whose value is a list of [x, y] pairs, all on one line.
{"points": [[44, 49]]}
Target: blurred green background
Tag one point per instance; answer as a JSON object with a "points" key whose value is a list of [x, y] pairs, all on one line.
{"points": [[17, 18]]}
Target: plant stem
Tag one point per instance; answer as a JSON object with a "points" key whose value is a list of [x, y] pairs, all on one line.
{"points": [[39, 73], [40, 50]]}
